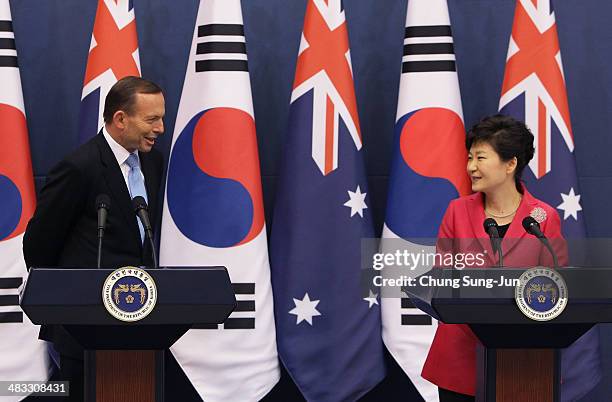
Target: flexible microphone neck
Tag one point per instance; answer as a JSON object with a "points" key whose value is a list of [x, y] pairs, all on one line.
{"points": [[102, 206], [142, 211], [532, 227], [490, 226]]}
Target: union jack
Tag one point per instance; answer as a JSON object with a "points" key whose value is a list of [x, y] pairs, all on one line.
{"points": [[534, 67], [324, 65], [113, 54]]}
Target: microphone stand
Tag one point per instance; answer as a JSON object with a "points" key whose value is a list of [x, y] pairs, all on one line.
{"points": [[532, 227], [546, 243], [149, 236], [103, 204], [99, 263], [500, 253], [490, 227], [141, 209]]}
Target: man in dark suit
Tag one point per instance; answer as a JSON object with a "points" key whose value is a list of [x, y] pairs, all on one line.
{"points": [[63, 230]]}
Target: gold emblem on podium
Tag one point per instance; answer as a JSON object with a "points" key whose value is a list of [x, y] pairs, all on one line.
{"points": [[129, 294], [541, 294]]}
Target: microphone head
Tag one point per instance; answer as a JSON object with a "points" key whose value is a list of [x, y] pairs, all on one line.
{"points": [[532, 226], [489, 223], [490, 227], [138, 203], [103, 201], [529, 222]]}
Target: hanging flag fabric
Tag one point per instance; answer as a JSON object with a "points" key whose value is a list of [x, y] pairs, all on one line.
{"points": [[113, 54], [24, 356], [213, 212], [534, 91], [328, 327], [428, 170]]}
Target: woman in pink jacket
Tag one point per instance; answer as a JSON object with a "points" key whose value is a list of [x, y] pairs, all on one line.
{"points": [[499, 149]]}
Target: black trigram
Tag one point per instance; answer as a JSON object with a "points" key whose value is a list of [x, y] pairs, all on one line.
{"points": [[243, 316], [8, 52], [428, 48], [414, 318], [221, 47], [9, 299]]}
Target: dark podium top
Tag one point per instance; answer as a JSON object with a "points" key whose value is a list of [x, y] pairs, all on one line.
{"points": [[73, 298], [493, 314]]}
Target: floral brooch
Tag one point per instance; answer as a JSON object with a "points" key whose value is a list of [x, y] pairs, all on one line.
{"points": [[538, 214]]}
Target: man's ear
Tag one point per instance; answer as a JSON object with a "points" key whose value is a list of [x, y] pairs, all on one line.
{"points": [[119, 119]]}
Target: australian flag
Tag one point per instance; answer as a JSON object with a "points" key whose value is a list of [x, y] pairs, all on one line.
{"points": [[329, 334], [534, 91], [113, 54]]}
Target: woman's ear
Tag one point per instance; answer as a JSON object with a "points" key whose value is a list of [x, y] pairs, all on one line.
{"points": [[511, 165]]}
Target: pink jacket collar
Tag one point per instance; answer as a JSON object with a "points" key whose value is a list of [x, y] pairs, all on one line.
{"points": [[475, 207]]}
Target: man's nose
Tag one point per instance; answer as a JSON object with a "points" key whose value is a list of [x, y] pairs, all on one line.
{"points": [[159, 127]]}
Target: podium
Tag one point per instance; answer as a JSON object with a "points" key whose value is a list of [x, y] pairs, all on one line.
{"points": [[124, 360], [518, 359]]}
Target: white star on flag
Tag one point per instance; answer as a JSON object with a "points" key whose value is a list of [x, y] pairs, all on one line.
{"points": [[372, 299], [570, 205], [356, 202], [305, 309]]}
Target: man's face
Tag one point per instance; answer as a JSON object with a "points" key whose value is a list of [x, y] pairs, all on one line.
{"points": [[144, 124]]}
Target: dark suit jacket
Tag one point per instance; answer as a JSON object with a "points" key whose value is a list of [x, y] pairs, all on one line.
{"points": [[63, 230]]}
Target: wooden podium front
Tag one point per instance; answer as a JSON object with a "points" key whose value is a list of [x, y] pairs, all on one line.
{"points": [[115, 375], [510, 375]]}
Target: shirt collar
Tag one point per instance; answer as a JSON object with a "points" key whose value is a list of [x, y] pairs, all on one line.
{"points": [[121, 154]]}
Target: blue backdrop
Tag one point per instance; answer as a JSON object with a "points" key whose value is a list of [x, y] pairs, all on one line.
{"points": [[53, 37]]}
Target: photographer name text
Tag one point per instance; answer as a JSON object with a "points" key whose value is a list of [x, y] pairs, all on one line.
{"points": [[455, 283]]}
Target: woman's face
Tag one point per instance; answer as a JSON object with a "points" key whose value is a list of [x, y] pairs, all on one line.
{"points": [[486, 169]]}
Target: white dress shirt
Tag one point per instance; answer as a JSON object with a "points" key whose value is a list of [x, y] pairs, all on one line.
{"points": [[121, 154]]}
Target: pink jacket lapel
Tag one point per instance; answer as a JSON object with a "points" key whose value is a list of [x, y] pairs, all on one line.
{"points": [[475, 209], [476, 215]]}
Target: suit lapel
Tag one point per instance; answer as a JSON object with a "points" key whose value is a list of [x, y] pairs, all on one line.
{"points": [[117, 187], [516, 232], [152, 180], [150, 174], [475, 209]]}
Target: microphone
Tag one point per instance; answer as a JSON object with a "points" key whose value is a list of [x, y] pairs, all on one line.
{"points": [[142, 210], [532, 227], [490, 226], [102, 206]]}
